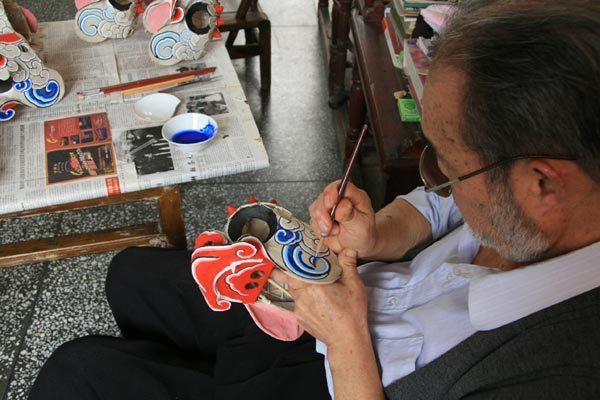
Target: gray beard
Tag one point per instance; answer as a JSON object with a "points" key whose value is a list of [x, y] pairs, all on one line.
{"points": [[511, 233]]}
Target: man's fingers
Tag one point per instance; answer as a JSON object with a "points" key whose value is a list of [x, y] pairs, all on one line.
{"points": [[335, 230], [347, 260], [279, 277], [284, 280], [330, 193], [359, 198], [344, 211]]}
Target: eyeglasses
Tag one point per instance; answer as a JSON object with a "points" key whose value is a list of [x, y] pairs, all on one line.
{"points": [[435, 180]]}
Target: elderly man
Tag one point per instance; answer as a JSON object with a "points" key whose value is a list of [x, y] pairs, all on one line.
{"points": [[504, 304]]}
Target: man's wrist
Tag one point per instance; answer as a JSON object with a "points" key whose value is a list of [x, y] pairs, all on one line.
{"points": [[348, 344]]}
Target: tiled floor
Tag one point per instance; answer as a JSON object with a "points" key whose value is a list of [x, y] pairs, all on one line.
{"points": [[44, 305]]}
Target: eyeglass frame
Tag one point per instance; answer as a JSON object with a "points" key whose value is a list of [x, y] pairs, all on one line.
{"points": [[454, 181]]}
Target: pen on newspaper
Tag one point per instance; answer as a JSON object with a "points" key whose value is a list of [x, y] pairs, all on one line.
{"points": [[344, 182], [148, 84]]}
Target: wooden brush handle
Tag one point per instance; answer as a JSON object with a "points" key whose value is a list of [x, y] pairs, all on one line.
{"points": [[157, 86], [144, 82]]}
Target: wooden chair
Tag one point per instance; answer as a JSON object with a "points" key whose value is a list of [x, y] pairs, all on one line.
{"points": [[249, 17]]}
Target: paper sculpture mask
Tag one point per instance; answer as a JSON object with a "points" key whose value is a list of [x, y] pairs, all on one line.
{"points": [[98, 20], [182, 29], [230, 272], [24, 79], [235, 266], [290, 243]]}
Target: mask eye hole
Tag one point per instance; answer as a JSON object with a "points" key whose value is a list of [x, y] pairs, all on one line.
{"points": [[198, 18], [23, 48], [121, 5], [6, 85], [257, 275], [258, 221], [251, 285]]}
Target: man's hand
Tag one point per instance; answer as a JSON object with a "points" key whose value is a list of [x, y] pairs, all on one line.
{"points": [[387, 235], [336, 314], [332, 312], [353, 226]]}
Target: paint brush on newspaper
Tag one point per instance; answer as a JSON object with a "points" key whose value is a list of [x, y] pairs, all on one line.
{"points": [[343, 183], [142, 85]]}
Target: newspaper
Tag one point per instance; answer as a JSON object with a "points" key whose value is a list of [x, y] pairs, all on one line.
{"points": [[97, 147]]}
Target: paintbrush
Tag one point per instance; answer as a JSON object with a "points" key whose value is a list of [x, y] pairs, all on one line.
{"points": [[168, 85], [150, 82], [160, 86], [344, 182]]}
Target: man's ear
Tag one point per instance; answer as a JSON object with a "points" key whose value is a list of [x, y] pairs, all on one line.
{"points": [[541, 186]]}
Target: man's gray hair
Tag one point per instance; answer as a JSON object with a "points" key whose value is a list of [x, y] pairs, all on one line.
{"points": [[532, 72]]}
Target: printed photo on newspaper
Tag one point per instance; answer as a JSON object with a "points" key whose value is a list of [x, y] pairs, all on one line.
{"points": [[78, 148]]}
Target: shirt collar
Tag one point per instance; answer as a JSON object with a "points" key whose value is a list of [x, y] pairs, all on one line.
{"points": [[500, 298]]}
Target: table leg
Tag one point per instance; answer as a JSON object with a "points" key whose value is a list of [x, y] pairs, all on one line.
{"points": [[356, 113], [264, 28], [340, 30], [171, 218]]}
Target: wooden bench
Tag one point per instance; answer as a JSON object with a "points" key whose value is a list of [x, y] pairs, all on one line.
{"points": [[168, 232]]}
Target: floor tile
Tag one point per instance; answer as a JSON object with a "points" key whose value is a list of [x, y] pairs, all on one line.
{"points": [[21, 229], [290, 13], [18, 289], [296, 123], [205, 205], [59, 11], [108, 217], [71, 304]]}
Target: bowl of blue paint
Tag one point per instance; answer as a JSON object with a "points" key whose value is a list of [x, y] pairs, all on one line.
{"points": [[190, 132]]}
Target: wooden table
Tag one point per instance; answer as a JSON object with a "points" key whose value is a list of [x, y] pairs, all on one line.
{"points": [[374, 81], [39, 173]]}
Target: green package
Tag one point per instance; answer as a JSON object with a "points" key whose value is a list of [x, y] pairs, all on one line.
{"points": [[408, 110]]}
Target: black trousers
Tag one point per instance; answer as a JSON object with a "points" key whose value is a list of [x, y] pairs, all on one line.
{"points": [[175, 347]]}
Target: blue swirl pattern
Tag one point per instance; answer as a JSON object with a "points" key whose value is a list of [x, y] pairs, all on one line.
{"points": [[89, 20], [295, 258], [162, 44], [7, 114], [45, 96], [186, 36], [23, 85]]}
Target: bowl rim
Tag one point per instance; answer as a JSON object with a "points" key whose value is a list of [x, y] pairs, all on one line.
{"points": [[210, 119]]}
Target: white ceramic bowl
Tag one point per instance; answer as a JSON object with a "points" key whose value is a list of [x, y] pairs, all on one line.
{"points": [[156, 107], [182, 124]]}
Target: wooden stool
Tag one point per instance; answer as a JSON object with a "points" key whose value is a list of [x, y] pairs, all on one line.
{"points": [[169, 232], [249, 16]]}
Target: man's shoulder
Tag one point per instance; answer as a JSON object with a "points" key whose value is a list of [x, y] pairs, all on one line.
{"points": [[561, 340], [559, 344]]}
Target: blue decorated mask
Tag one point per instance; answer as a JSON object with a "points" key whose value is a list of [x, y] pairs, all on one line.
{"points": [[24, 79], [182, 29], [98, 20], [290, 243]]}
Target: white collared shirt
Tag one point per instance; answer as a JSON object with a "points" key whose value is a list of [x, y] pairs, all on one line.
{"points": [[422, 308]]}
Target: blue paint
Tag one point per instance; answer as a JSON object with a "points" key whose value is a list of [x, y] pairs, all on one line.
{"points": [[294, 256], [194, 136]]}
